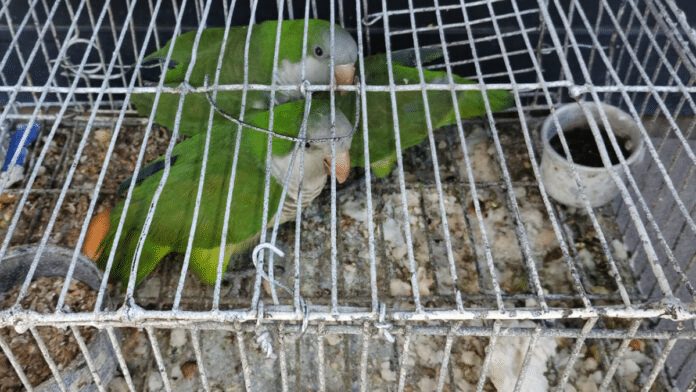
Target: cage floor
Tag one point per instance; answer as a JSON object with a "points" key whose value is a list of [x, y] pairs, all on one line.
{"points": [[435, 283], [434, 279]]}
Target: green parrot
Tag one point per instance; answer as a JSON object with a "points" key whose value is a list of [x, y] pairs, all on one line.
{"points": [[317, 60], [172, 218], [410, 109]]}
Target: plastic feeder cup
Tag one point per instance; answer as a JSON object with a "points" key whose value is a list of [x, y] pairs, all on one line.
{"points": [[556, 170]]}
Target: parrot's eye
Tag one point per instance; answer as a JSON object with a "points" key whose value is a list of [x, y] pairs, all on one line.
{"points": [[307, 145], [318, 51]]}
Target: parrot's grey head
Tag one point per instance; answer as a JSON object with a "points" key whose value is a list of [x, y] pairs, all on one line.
{"points": [[318, 164], [321, 136], [317, 60], [345, 54]]}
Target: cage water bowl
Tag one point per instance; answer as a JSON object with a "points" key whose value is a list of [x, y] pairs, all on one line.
{"points": [[595, 178], [77, 374]]}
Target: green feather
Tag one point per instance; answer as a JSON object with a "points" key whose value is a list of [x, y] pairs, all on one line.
{"points": [[196, 107], [410, 110], [172, 219]]}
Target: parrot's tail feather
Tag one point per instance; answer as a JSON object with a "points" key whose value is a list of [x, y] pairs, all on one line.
{"points": [[143, 103], [150, 257], [120, 270], [407, 57], [153, 67], [204, 262], [500, 100]]}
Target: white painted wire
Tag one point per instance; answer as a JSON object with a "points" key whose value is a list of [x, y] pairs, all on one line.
{"points": [[391, 322]]}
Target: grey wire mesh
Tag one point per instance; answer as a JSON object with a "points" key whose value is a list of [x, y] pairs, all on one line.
{"points": [[457, 271]]}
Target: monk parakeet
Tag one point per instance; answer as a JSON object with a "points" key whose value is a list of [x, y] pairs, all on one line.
{"points": [[172, 218], [410, 110], [317, 60]]}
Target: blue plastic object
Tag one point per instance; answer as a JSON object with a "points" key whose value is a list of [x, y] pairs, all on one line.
{"points": [[14, 144]]}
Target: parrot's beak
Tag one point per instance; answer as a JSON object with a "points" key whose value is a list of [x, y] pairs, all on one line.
{"points": [[342, 164], [345, 75]]}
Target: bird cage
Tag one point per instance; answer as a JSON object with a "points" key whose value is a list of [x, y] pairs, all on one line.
{"points": [[460, 269]]}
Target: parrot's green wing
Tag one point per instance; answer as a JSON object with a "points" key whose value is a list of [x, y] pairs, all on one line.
{"points": [[410, 110], [408, 57], [194, 112], [196, 107], [172, 218]]}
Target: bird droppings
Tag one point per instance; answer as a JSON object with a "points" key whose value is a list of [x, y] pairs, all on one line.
{"points": [[399, 288], [177, 337], [509, 354]]}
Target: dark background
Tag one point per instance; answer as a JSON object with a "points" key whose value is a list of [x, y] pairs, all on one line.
{"points": [[486, 44]]}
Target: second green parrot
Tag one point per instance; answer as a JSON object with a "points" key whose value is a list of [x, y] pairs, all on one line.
{"points": [[317, 60], [173, 215], [410, 110]]}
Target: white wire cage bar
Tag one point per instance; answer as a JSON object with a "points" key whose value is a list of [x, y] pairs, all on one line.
{"points": [[434, 277]]}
